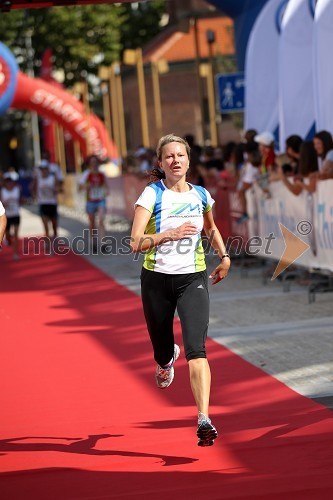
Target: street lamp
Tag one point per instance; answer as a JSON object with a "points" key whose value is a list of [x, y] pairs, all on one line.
{"points": [[31, 73], [207, 71], [158, 68], [134, 58], [194, 23]]}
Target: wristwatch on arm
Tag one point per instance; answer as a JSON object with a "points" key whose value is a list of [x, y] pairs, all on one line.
{"points": [[226, 255]]}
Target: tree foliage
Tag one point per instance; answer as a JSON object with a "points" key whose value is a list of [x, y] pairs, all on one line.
{"points": [[80, 37]]}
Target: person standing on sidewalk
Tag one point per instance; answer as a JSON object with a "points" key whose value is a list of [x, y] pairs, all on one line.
{"points": [[169, 217]]}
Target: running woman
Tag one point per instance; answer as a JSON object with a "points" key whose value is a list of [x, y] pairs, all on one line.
{"points": [[169, 217], [94, 183]]}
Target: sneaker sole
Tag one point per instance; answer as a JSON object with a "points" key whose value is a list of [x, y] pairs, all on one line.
{"points": [[207, 437], [205, 443]]}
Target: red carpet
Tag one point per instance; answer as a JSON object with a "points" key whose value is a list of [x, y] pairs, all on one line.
{"points": [[81, 417]]}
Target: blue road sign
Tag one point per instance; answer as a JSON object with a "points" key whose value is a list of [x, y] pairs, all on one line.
{"points": [[230, 92]]}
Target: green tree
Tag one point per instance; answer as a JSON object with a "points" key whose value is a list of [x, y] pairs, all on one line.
{"points": [[81, 37]]}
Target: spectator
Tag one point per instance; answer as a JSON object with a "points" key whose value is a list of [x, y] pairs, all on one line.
{"points": [[327, 170], [10, 197], [308, 166], [230, 158], [144, 159], [209, 167], [54, 169], [266, 148], [129, 165], [228, 176], [249, 144], [196, 150], [249, 136], [248, 175], [323, 143], [293, 146], [209, 160]]}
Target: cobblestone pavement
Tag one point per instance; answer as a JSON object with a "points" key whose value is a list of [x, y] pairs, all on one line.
{"points": [[278, 331]]}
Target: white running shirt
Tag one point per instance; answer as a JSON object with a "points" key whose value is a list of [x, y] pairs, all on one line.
{"points": [[2, 210], [11, 200], [46, 190], [169, 210]]}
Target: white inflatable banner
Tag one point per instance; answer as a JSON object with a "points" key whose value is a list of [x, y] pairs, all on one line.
{"points": [[296, 101], [261, 69], [323, 71]]}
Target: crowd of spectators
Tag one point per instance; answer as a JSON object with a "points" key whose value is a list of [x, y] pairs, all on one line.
{"points": [[254, 159], [234, 165]]}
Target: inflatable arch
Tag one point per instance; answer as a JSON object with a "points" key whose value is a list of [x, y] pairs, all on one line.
{"points": [[19, 91]]}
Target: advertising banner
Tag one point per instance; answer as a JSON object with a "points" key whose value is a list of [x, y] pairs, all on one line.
{"points": [[308, 216]]}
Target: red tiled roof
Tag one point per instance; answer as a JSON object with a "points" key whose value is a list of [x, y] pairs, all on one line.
{"points": [[177, 46]]}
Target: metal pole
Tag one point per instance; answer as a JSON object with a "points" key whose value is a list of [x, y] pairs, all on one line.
{"points": [[62, 150], [157, 98], [211, 105], [106, 107], [77, 157], [114, 109], [199, 81], [33, 114], [57, 143], [142, 98], [211, 92], [121, 117]]}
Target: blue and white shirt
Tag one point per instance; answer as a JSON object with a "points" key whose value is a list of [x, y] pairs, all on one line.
{"points": [[169, 210]]}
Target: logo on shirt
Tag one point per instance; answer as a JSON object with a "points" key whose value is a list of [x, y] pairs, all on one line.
{"points": [[185, 210]]}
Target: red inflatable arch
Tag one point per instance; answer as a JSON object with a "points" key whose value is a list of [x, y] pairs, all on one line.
{"points": [[60, 106]]}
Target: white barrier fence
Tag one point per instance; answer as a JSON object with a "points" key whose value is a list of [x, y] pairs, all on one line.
{"points": [[308, 216]]}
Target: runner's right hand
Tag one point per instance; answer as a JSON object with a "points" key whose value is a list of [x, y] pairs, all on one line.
{"points": [[184, 231]]}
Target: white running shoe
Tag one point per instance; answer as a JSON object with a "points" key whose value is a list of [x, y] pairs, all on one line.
{"points": [[165, 376]]}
